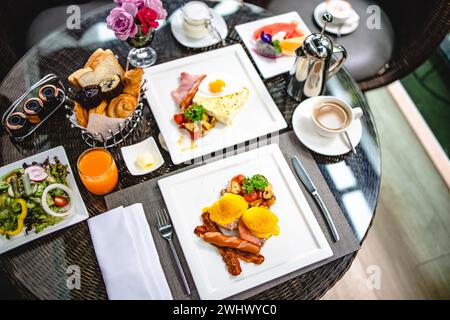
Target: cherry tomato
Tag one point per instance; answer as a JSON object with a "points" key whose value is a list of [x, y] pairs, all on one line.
{"points": [[60, 201], [178, 118], [250, 197], [239, 179], [259, 194]]}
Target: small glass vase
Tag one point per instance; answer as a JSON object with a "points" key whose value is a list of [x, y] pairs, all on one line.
{"points": [[142, 55]]}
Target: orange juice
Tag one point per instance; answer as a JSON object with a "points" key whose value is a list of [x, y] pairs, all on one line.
{"points": [[98, 171]]}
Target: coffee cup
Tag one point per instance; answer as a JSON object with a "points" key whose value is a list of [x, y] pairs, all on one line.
{"points": [[196, 17], [333, 116], [339, 9]]}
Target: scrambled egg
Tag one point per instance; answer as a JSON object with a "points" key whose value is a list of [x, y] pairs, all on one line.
{"points": [[223, 108], [261, 222], [227, 209]]}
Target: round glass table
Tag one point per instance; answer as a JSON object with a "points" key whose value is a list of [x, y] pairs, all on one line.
{"points": [[38, 269]]}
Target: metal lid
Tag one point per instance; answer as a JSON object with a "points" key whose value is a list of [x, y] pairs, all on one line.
{"points": [[318, 45]]}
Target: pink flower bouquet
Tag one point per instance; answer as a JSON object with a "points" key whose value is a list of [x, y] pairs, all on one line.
{"points": [[134, 21], [133, 16]]}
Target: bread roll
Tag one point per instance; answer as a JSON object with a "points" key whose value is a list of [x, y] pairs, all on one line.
{"points": [[100, 109]]}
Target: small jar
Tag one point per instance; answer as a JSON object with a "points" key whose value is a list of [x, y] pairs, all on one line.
{"points": [[17, 123], [49, 95], [196, 16], [33, 109]]}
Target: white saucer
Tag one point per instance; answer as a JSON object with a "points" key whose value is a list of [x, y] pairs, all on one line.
{"points": [[304, 130], [176, 24], [348, 27], [130, 154]]}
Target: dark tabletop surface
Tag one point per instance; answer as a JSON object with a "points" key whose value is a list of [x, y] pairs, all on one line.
{"points": [[353, 178]]}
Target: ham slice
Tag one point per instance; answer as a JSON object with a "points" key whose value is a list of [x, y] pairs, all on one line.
{"points": [[187, 89], [246, 234]]}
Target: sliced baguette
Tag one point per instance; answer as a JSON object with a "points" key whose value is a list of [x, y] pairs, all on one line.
{"points": [[109, 66], [100, 57], [88, 78], [97, 53], [74, 77]]}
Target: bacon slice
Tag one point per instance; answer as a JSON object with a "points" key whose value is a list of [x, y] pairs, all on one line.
{"points": [[231, 260], [187, 89], [246, 234], [228, 255], [250, 257]]}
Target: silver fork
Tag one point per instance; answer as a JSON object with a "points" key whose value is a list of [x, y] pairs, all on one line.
{"points": [[166, 231]]}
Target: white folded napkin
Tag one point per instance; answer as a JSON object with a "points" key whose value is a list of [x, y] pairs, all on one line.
{"points": [[127, 255]]}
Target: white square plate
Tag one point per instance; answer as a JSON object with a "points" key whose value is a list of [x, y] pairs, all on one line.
{"points": [[301, 241], [259, 116], [130, 154], [78, 215], [270, 67]]}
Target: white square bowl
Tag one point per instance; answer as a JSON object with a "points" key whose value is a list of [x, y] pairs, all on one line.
{"points": [[130, 154]]}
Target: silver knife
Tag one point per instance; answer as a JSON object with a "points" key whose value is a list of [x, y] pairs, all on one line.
{"points": [[306, 180]]}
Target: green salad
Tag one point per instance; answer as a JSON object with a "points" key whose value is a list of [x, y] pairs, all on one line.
{"points": [[34, 197]]}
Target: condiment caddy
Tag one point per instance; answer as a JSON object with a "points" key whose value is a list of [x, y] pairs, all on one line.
{"points": [[34, 107]]}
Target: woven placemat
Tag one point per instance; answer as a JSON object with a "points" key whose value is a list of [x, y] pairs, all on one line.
{"points": [[149, 195]]}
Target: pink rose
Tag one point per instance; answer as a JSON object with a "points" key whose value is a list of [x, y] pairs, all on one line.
{"points": [[121, 21]]}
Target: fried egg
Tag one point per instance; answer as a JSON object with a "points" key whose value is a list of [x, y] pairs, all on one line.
{"points": [[218, 85]]}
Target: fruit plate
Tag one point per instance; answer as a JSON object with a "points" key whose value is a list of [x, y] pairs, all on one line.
{"points": [[259, 116], [270, 67], [301, 241], [80, 213]]}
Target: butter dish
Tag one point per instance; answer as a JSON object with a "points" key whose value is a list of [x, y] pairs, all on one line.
{"points": [[132, 153]]}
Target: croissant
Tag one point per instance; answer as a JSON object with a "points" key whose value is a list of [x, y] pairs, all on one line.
{"points": [[81, 114], [132, 82], [121, 106], [100, 109]]}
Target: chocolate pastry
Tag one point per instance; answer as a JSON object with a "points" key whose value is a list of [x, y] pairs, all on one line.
{"points": [[17, 124], [89, 97], [49, 95], [33, 109], [111, 87]]}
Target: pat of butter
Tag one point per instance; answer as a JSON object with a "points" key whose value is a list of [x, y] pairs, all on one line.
{"points": [[145, 161]]}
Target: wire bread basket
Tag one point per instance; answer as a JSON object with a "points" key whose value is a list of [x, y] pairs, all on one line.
{"points": [[112, 138]]}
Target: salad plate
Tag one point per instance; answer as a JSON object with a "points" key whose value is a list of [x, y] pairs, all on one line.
{"points": [[271, 67], [45, 175], [257, 114], [299, 242]]}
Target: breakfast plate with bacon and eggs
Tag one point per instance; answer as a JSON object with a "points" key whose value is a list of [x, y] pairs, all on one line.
{"points": [[210, 101]]}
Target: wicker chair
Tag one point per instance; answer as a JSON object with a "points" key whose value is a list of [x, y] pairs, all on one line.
{"points": [[419, 29]]}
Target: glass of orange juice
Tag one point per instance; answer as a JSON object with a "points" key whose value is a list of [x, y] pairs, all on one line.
{"points": [[98, 171]]}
